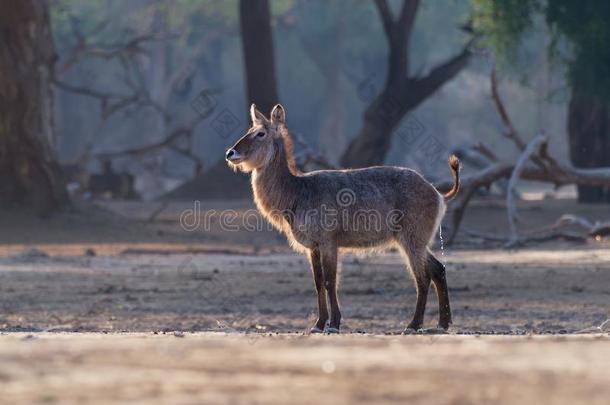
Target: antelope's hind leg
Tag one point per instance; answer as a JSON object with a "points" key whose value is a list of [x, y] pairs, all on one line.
{"points": [[417, 264], [436, 271], [318, 277]]}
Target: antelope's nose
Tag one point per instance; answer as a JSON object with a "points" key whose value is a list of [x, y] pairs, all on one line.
{"points": [[232, 154]]}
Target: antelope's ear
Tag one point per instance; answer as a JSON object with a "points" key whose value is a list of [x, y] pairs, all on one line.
{"points": [[256, 116], [278, 115]]}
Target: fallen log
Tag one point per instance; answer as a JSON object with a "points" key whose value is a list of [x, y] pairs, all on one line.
{"points": [[485, 178], [545, 168]]}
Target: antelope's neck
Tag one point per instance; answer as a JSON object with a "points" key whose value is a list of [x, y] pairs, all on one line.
{"points": [[275, 186]]}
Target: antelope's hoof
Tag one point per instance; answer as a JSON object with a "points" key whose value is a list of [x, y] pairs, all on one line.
{"points": [[434, 331], [443, 326], [409, 331], [315, 330], [331, 331]]}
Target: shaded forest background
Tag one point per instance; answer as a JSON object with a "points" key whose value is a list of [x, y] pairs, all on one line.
{"points": [[140, 99], [182, 63]]}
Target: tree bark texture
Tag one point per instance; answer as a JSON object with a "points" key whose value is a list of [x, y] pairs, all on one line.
{"points": [[402, 92], [589, 138], [29, 173], [258, 54]]}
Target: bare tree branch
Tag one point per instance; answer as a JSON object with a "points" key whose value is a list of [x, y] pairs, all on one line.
{"points": [[307, 155], [170, 140], [86, 91], [530, 237], [386, 17], [491, 174], [510, 133], [130, 54], [511, 208], [442, 73], [469, 185], [485, 151], [547, 169], [134, 45], [555, 231], [597, 229], [402, 92], [188, 68], [407, 15], [397, 34]]}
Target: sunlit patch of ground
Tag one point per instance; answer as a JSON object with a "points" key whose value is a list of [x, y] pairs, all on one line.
{"points": [[219, 317], [534, 291], [223, 368]]}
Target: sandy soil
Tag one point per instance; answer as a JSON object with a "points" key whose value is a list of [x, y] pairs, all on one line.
{"points": [[223, 368], [492, 291], [220, 316]]}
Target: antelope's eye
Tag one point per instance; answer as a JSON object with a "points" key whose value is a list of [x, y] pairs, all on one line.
{"points": [[260, 134]]}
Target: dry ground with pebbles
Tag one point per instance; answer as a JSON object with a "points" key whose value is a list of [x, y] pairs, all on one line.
{"points": [[539, 291], [152, 312]]}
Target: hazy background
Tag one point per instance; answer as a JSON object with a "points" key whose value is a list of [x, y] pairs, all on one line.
{"points": [[330, 60], [135, 265]]}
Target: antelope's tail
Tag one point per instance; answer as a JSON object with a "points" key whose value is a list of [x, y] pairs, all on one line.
{"points": [[454, 165]]}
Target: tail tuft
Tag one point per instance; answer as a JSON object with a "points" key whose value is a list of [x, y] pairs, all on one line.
{"points": [[454, 164]]}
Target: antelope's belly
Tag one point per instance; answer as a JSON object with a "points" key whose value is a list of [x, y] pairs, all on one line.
{"points": [[310, 237], [364, 239]]}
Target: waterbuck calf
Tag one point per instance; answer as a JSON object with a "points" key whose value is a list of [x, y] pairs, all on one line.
{"points": [[325, 211]]}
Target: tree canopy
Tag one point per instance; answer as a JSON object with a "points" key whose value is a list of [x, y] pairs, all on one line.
{"points": [[579, 31]]}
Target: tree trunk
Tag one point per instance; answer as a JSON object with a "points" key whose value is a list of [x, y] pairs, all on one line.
{"points": [[29, 174], [259, 65], [331, 135], [372, 142], [397, 99], [589, 138], [402, 92], [331, 138], [258, 54]]}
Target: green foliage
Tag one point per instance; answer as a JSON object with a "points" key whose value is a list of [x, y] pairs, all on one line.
{"points": [[586, 26], [579, 29], [504, 23]]}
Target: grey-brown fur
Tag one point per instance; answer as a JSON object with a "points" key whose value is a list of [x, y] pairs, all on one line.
{"points": [[325, 211]]}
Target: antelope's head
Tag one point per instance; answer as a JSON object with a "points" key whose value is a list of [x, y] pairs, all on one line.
{"points": [[257, 147]]}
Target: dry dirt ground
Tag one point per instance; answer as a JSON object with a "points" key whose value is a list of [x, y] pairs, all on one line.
{"points": [[220, 368], [114, 306]]}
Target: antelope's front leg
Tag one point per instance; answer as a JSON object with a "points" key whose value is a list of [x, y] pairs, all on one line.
{"points": [[318, 277], [329, 268]]}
